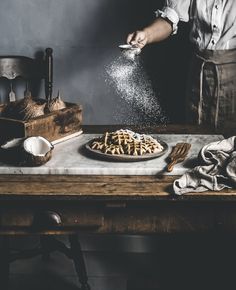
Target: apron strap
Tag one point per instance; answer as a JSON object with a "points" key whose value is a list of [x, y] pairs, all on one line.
{"points": [[200, 104], [215, 58]]}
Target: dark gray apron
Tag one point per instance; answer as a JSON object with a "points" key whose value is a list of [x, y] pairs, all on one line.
{"points": [[211, 94]]}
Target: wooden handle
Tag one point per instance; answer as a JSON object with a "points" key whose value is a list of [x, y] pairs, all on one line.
{"points": [[49, 73], [171, 165]]}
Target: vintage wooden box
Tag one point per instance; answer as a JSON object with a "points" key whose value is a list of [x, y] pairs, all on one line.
{"points": [[52, 126]]}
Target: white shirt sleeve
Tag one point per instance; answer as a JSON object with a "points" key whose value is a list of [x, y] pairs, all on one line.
{"points": [[175, 11]]}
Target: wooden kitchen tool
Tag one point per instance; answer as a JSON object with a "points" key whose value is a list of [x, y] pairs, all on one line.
{"points": [[178, 154]]}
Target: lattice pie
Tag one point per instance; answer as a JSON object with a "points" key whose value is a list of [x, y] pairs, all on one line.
{"points": [[126, 142]]}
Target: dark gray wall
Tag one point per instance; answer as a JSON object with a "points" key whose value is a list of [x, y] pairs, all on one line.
{"points": [[84, 35]]}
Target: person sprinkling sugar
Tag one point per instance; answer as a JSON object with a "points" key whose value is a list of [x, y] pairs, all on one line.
{"points": [[211, 94]]}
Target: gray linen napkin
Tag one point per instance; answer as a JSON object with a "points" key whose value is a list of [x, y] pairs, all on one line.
{"points": [[217, 169]]}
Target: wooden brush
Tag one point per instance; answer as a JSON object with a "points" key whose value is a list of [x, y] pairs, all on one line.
{"points": [[178, 154]]}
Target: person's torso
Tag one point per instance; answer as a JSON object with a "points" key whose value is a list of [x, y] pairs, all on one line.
{"points": [[213, 24]]}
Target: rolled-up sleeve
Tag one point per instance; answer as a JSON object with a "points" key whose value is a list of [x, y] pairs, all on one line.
{"points": [[175, 11]]}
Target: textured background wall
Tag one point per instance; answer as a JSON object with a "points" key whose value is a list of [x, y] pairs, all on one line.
{"points": [[85, 36]]}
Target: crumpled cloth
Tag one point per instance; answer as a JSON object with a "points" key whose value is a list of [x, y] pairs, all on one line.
{"points": [[216, 170]]}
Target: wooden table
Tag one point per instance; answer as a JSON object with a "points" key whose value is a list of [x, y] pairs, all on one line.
{"points": [[60, 204]]}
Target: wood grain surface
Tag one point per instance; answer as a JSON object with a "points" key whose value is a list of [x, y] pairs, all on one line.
{"points": [[100, 187], [111, 204]]}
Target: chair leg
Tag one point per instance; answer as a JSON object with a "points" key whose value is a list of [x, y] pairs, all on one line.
{"points": [[4, 262], [79, 263]]}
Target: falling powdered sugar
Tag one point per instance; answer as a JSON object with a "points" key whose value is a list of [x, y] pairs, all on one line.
{"points": [[134, 87]]}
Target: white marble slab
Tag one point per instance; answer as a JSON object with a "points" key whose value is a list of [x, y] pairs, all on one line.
{"points": [[69, 158]]}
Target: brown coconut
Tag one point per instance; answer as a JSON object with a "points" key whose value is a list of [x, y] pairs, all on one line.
{"points": [[24, 109], [31, 151], [55, 104], [37, 150]]}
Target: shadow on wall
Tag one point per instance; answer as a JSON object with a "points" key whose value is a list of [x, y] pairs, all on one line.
{"points": [[85, 36]]}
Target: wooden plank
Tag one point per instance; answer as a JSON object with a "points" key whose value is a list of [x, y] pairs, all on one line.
{"points": [[68, 188], [142, 218], [161, 219], [86, 178], [100, 186], [88, 217], [168, 218]]}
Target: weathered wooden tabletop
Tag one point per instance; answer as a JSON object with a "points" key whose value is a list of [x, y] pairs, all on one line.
{"points": [[82, 187], [113, 204]]}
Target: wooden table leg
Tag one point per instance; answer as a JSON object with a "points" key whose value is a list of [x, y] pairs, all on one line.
{"points": [[78, 259], [4, 262]]}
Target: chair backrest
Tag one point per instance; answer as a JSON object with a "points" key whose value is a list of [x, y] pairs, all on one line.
{"points": [[28, 68]]}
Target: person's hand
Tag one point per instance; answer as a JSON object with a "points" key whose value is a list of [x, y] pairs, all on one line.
{"points": [[138, 38]]}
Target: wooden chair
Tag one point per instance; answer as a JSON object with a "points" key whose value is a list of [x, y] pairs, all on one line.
{"points": [[29, 69]]}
